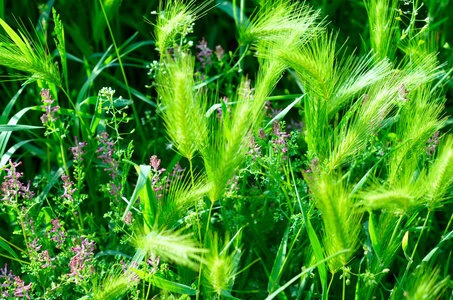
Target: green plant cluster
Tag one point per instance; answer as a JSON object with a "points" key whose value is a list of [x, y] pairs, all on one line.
{"points": [[279, 160]]}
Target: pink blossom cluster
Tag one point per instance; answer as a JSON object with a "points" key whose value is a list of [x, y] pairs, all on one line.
{"points": [[12, 186], [155, 163], [59, 233], [77, 150], [49, 115], [83, 255]]}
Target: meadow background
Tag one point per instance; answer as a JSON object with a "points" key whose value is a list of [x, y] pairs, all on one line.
{"points": [[226, 149]]}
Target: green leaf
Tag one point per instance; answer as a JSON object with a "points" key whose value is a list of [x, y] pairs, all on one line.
{"points": [[274, 294], [228, 295], [7, 247], [314, 241], [405, 243], [148, 204], [112, 252], [10, 105], [373, 235], [230, 9], [207, 81], [165, 284], [23, 46], [433, 251], [11, 151], [283, 113], [141, 181], [18, 127], [279, 262], [42, 196]]}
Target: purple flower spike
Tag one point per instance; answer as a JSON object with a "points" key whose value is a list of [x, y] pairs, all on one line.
{"points": [[219, 52], [21, 289], [155, 163], [78, 263], [432, 143], [205, 53], [254, 149], [107, 151], [77, 150], [402, 93], [49, 115], [280, 139], [34, 246], [5, 273], [128, 218], [45, 257], [262, 133], [60, 236], [12, 186], [68, 192], [295, 126], [115, 191]]}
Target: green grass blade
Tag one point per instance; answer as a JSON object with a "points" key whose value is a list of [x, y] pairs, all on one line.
{"points": [[4, 128], [8, 248], [166, 284], [10, 105], [11, 151], [279, 262], [283, 113], [274, 294], [144, 171]]}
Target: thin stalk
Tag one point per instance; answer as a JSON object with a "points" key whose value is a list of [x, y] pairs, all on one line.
{"points": [[448, 225], [77, 112], [204, 242], [13, 258], [76, 218], [396, 228], [22, 225], [63, 157], [134, 110], [196, 204], [413, 251], [328, 288], [11, 244], [344, 284]]}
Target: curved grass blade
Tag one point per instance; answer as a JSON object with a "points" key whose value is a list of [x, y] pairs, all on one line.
{"points": [[4, 128], [11, 151], [274, 294], [144, 171], [165, 284], [10, 105], [283, 113], [279, 262]]}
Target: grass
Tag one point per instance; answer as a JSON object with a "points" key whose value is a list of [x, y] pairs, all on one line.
{"points": [[152, 152]]}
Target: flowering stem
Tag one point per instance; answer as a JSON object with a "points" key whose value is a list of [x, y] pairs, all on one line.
{"points": [[134, 110], [22, 225], [76, 218], [63, 157]]}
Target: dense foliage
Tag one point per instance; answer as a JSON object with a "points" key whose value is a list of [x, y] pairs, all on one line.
{"points": [[226, 150]]}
